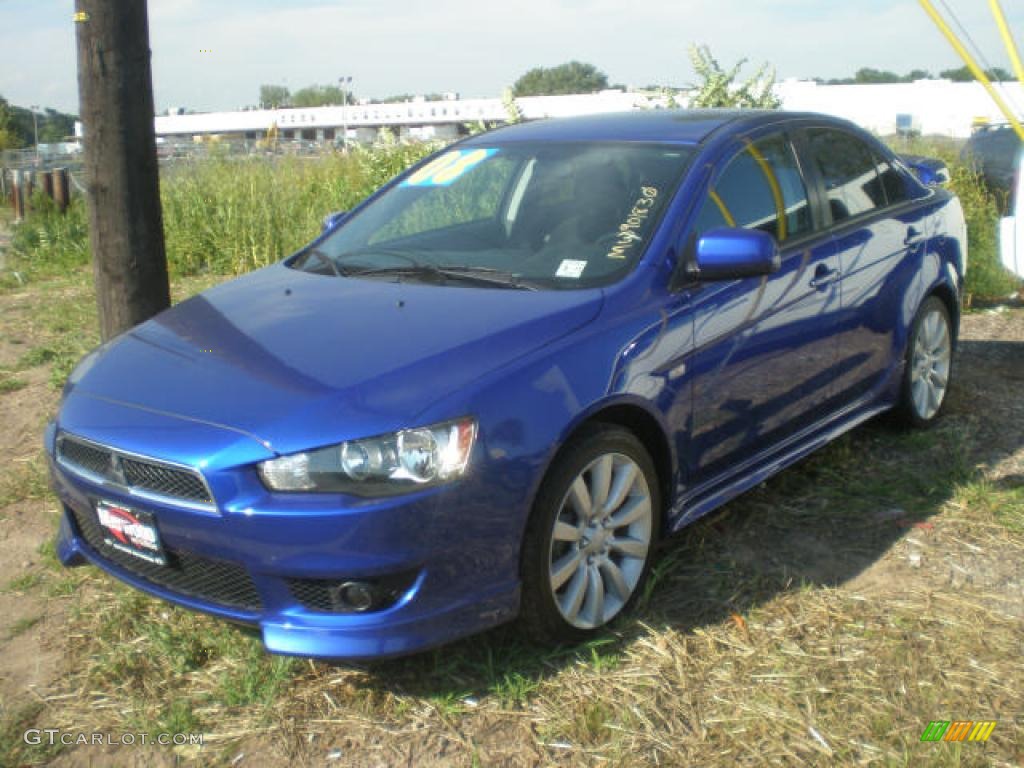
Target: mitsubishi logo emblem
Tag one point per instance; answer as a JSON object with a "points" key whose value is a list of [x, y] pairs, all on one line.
{"points": [[116, 470]]}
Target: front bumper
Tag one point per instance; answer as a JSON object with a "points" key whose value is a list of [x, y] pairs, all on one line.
{"points": [[260, 557]]}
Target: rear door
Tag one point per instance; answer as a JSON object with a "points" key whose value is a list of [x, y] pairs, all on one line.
{"points": [[764, 346], [880, 236]]}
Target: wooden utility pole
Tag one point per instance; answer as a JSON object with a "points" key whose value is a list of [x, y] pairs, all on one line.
{"points": [[115, 93]]}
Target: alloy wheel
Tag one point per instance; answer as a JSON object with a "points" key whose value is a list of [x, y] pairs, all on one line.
{"points": [[930, 364], [600, 541]]}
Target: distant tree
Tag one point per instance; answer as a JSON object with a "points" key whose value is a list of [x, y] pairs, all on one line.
{"points": [[571, 77], [274, 96], [963, 75], [21, 125], [320, 96], [55, 126], [8, 139], [718, 87], [868, 75], [17, 128]]}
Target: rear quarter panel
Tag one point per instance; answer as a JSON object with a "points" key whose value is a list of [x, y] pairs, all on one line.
{"points": [[935, 267]]}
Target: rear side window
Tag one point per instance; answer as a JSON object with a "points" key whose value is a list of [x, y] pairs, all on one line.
{"points": [[760, 188], [849, 171], [893, 182]]}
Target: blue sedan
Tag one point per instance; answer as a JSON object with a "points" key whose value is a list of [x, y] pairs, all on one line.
{"points": [[491, 388]]}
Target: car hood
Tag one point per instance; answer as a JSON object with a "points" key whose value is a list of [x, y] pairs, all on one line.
{"points": [[298, 360]]}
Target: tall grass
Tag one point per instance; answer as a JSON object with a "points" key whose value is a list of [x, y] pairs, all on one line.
{"points": [[222, 215], [986, 277], [231, 215], [48, 243]]}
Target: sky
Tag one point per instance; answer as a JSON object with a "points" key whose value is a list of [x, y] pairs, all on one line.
{"points": [[214, 54]]}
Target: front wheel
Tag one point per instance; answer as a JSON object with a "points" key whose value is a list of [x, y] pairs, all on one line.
{"points": [[591, 535], [928, 365]]}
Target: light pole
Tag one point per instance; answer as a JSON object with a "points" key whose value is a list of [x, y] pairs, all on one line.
{"points": [[35, 128], [344, 82]]}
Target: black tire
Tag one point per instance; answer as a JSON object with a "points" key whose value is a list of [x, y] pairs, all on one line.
{"points": [[540, 614], [924, 372]]}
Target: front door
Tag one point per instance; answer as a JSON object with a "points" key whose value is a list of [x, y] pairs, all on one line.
{"points": [[764, 348]]}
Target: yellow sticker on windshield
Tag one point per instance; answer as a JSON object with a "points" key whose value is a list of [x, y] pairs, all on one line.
{"points": [[445, 169]]}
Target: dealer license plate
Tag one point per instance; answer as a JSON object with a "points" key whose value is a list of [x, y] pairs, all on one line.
{"points": [[132, 531]]}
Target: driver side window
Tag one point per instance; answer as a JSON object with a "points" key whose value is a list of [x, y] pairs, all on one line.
{"points": [[761, 188]]}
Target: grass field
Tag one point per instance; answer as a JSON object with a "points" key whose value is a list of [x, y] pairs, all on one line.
{"points": [[823, 619]]}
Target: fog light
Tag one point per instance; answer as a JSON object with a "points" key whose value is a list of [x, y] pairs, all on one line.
{"points": [[354, 595]]}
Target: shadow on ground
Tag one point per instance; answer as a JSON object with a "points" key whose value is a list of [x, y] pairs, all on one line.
{"points": [[820, 524]]}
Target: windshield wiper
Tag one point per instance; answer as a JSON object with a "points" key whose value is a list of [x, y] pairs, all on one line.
{"points": [[490, 275], [340, 271], [394, 253], [440, 273], [321, 257]]}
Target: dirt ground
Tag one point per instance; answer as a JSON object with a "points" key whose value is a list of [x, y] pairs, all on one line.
{"points": [[34, 625]]}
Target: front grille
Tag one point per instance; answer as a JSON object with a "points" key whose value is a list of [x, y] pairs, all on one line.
{"points": [[188, 574], [166, 481], [147, 475], [86, 456]]}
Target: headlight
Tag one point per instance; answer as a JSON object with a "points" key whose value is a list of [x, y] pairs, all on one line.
{"points": [[377, 466]]}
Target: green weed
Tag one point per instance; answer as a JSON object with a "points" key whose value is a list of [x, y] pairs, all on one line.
{"points": [[986, 276], [22, 625], [24, 582], [13, 724], [11, 384], [24, 480]]}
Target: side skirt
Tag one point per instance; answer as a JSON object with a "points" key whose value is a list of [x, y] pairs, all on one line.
{"points": [[707, 497]]}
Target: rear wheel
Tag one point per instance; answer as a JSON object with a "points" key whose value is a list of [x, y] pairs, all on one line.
{"points": [[928, 366], [591, 536]]}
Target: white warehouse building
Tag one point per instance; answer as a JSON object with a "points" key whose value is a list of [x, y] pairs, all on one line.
{"points": [[937, 107], [929, 107]]}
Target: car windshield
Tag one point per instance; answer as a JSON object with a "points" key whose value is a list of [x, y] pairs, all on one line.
{"points": [[516, 215]]}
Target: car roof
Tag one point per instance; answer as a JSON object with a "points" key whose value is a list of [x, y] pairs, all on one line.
{"points": [[685, 126]]}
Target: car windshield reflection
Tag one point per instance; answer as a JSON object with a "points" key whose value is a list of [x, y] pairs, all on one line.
{"points": [[519, 215]]}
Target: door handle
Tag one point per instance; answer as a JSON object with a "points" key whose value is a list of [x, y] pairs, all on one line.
{"points": [[823, 277]]}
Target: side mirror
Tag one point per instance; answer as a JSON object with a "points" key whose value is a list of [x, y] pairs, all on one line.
{"points": [[729, 253], [930, 172], [331, 220]]}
